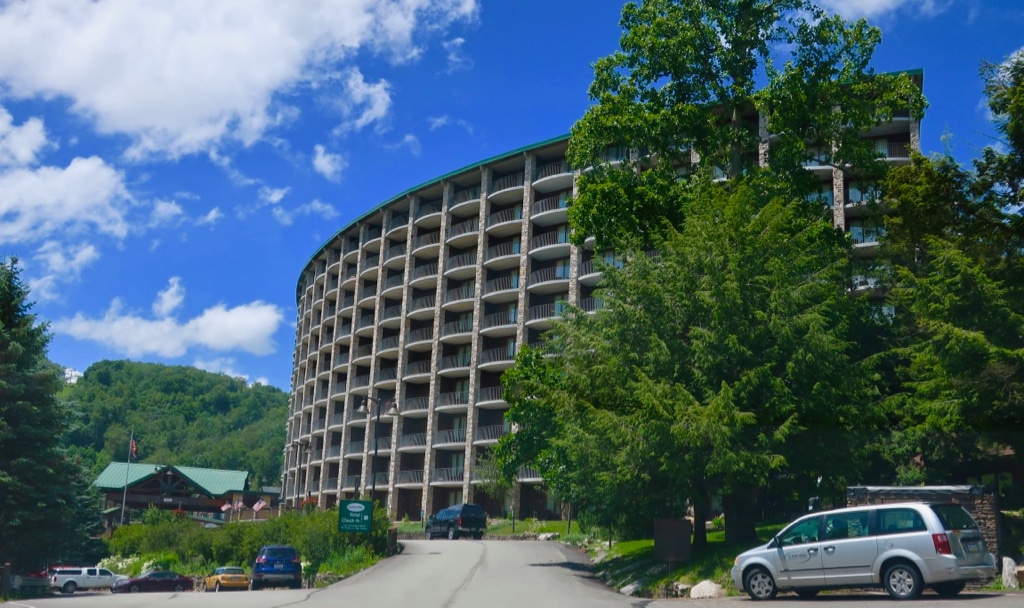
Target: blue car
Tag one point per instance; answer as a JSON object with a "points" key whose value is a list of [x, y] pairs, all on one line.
{"points": [[276, 565]]}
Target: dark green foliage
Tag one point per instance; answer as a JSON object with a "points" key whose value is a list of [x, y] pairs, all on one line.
{"points": [[195, 549], [686, 80], [46, 504], [181, 415]]}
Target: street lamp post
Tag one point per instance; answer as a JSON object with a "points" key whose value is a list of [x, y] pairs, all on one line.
{"points": [[391, 411]]}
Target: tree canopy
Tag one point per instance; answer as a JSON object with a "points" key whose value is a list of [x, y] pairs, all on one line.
{"points": [[46, 503], [181, 416]]}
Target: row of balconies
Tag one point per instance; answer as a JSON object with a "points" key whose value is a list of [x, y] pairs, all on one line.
{"points": [[414, 477]]}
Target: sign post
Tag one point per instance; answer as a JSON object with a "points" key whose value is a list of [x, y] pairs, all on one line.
{"points": [[355, 516]]}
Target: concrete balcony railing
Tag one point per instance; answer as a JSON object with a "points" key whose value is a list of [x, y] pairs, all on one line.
{"points": [[414, 476], [394, 251], [559, 273], [491, 393], [455, 361], [423, 334], [454, 398], [466, 227], [512, 214], [429, 208], [503, 250], [425, 240], [502, 284], [449, 475], [412, 440], [491, 433], [426, 270], [551, 203], [414, 368], [398, 220], [552, 169], [466, 292], [499, 319], [415, 404], [422, 303], [461, 326], [495, 355], [460, 261]]}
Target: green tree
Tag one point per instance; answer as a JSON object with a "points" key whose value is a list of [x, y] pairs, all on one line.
{"points": [[721, 359], [46, 504], [955, 243], [689, 75]]}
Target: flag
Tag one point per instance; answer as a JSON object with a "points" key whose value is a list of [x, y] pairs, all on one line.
{"points": [[259, 505], [134, 449], [225, 507], [239, 506]]}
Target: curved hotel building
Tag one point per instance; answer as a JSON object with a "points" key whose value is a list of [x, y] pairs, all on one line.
{"points": [[408, 316]]}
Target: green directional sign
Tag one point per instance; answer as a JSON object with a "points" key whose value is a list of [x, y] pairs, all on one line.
{"points": [[355, 516]]}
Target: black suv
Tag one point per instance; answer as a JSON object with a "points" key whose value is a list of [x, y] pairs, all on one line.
{"points": [[457, 520], [276, 565]]}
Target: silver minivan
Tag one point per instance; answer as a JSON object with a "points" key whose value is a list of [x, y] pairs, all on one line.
{"points": [[901, 547]]}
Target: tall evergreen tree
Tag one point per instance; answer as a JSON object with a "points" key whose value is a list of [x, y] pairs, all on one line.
{"points": [[46, 505]]}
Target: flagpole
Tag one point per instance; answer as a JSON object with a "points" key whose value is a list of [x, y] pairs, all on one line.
{"points": [[124, 497]]}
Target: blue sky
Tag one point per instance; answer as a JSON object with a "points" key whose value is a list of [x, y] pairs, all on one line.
{"points": [[168, 167]]}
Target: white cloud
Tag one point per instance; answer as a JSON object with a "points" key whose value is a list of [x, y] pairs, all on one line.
{"points": [[457, 60], [211, 217], [327, 164], [247, 327], [315, 207], [236, 176], [169, 299], [853, 9], [164, 212], [222, 365], [178, 77], [19, 145], [410, 141], [86, 195], [272, 196], [61, 264], [362, 103], [436, 122]]}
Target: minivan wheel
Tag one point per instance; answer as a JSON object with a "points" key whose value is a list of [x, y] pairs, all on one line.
{"points": [[902, 581], [759, 584], [949, 589], [452, 534]]}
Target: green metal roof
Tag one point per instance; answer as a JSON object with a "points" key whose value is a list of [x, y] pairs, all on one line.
{"points": [[214, 482]]}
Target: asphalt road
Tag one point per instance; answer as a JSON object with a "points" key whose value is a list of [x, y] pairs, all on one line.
{"points": [[480, 574]]}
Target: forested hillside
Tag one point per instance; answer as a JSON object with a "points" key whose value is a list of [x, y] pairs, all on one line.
{"points": [[181, 415]]}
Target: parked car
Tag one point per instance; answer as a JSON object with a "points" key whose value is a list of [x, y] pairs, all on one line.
{"points": [[226, 577], [901, 547], [456, 520], [276, 565], [154, 580], [70, 579]]}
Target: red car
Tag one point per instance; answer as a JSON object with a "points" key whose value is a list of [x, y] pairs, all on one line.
{"points": [[154, 580]]}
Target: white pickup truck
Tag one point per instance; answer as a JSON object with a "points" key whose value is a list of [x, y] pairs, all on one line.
{"points": [[69, 580]]}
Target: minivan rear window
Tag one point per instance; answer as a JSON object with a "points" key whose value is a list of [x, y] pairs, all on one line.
{"points": [[954, 517]]}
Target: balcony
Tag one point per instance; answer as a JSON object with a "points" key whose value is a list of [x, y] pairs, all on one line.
{"points": [[393, 286], [386, 376], [893, 150], [464, 233], [394, 257], [387, 344], [336, 420], [418, 337], [549, 280], [427, 245], [397, 223], [417, 371], [503, 256], [447, 476], [552, 177], [540, 316], [370, 267], [333, 451], [364, 351], [463, 328], [457, 400], [424, 277], [415, 407], [591, 304], [491, 397], [331, 485], [391, 316], [461, 266], [411, 441], [414, 477], [500, 323], [507, 188], [353, 448], [502, 289], [449, 437], [505, 222], [465, 202], [454, 365], [360, 381], [373, 233], [460, 298], [529, 474], [550, 245], [589, 274], [351, 482], [490, 434], [495, 359], [551, 211], [428, 215]]}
